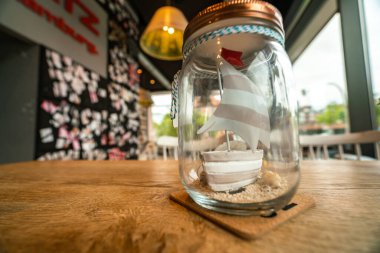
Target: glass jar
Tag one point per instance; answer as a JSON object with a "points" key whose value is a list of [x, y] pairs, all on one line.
{"points": [[235, 108]]}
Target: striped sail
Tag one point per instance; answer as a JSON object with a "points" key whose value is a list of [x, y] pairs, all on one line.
{"points": [[242, 109]]}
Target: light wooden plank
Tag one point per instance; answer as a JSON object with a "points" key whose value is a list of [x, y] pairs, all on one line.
{"points": [[311, 141], [351, 138], [123, 206]]}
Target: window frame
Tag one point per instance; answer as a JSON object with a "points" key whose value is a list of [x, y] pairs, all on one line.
{"points": [[314, 17]]}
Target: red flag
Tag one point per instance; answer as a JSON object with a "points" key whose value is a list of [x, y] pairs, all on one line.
{"points": [[232, 57]]}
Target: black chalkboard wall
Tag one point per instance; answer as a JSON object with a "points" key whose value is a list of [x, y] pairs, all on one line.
{"points": [[82, 115]]}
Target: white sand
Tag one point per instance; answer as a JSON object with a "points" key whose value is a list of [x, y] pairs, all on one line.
{"points": [[269, 185]]}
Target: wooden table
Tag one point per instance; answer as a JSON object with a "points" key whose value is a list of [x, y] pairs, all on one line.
{"points": [[123, 206]]}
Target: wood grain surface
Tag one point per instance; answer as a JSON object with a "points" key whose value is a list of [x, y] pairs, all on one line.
{"points": [[123, 206]]}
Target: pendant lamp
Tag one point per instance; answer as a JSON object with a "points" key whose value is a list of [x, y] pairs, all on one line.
{"points": [[163, 37]]}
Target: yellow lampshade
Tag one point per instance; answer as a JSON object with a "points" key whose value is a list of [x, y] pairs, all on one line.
{"points": [[163, 37]]}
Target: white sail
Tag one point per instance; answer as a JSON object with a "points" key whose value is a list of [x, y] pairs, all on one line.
{"points": [[242, 109]]}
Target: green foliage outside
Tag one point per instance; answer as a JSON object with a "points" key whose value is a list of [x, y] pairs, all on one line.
{"points": [[335, 113], [165, 128], [332, 114], [199, 119]]}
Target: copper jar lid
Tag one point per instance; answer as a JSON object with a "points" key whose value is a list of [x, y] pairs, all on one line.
{"points": [[236, 9]]}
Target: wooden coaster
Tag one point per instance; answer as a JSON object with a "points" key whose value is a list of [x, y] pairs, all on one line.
{"points": [[247, 227]]}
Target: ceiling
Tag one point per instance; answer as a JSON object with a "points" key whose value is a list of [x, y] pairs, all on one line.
{"points": [[145, 10]]}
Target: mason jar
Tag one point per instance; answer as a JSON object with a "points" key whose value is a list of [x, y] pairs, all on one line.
{"points": [[235, 107]]}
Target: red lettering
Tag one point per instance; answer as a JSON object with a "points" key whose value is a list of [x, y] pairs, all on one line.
{"points": [[69, 6], [80, 38], [59, 23], [88, 21], [50, 17], [34, 6], [91, 48]]}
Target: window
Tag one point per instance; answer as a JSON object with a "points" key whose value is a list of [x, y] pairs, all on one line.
{"points": [[372, 13], [161, 106], [321, 80], [161, 115]]}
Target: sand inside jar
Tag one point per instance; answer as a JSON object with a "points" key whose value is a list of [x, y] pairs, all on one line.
{"points": [[269, 185]]}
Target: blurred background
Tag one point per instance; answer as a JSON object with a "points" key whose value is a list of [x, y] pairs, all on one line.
{"points": [[91, 80]]}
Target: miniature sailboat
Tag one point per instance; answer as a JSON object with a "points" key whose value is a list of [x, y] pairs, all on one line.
{"points": [[243, 110]]}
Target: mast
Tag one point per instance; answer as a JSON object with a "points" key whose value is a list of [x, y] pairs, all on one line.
{"points": [[221, 96]]}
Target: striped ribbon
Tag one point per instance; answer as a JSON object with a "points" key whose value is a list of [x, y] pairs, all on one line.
{"points": [[236, 29]]}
